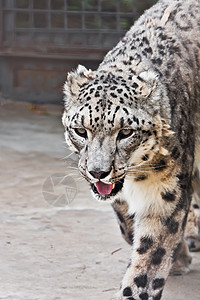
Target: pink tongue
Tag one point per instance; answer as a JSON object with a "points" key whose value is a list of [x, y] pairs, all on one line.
{"points": [[103, 188]]}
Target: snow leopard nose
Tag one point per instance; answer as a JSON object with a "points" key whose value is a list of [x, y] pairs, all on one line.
{"points": [[99, 175]]}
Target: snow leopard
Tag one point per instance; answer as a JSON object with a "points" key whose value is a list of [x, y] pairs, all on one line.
{"points": [[134, 123]]}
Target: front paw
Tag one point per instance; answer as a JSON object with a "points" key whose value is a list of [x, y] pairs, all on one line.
{"points": [[125, 294]]}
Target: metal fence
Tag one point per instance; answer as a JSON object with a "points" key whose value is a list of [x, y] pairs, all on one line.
{"points": [[68, 30]]}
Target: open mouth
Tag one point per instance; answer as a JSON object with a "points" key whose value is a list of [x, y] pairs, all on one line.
{"points": [[107, 190]]}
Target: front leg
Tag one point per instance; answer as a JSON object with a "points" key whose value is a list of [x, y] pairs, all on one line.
{"points": [[157, 241], [125, 220]]}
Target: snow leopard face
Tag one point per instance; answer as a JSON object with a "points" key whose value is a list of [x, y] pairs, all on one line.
{"points": [[115, 137]]}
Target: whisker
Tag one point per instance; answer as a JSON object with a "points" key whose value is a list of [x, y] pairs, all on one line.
{"points": [[138, 171], [144, 170], [73, 174], [80, 179], [135, 171], [144, 165], [118, 178], [68, 156], [74, 168], [150, 166], [84, 176]]}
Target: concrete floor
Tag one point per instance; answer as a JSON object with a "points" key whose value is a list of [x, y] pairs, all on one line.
{"points": [[57, 243]]}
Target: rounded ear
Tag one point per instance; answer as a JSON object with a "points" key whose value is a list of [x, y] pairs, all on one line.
{"points": [[149, 76], [73, 83], [150, 81]]}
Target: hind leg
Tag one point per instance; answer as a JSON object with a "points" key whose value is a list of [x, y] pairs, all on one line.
{"points": [[192, 231], [182, 260]]}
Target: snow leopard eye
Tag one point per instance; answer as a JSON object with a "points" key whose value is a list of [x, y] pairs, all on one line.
{"points": [[125, 133], [81, 132]]}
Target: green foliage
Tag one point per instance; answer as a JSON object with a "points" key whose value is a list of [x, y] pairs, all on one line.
{"points": [[125, 23], [136, 7], [91, 5], [96, 20], [74, 4]]}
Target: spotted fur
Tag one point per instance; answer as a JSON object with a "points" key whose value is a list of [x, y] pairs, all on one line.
{"points": [[135, 124]]}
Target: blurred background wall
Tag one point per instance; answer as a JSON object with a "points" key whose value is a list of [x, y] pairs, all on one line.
{"points": [[41, 40]]}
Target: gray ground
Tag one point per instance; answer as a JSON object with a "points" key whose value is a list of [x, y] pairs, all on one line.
{"points": [[56, 241]]}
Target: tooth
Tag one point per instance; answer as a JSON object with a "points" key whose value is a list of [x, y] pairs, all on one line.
{"points": [[113, 185], [95, 184]]}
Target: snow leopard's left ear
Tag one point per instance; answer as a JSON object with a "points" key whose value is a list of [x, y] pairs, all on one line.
{"points": [[73, 83], [150, 80]]}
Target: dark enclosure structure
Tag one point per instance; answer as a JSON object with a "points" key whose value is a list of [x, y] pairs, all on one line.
{"points": [[41, 40]]}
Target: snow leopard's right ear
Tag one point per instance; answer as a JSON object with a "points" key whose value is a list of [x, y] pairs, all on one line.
{"points": [[73, 83]]}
